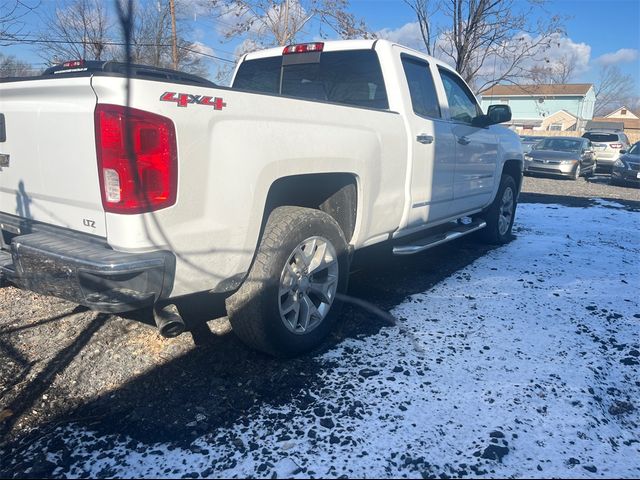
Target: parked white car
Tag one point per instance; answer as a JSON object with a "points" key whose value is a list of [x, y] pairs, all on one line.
{"points": [[607, 146]]}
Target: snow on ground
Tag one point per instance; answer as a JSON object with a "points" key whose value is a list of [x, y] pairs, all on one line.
{"points": [[523, 364]]}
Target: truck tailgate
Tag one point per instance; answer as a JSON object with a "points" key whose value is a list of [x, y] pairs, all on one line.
{"points": [[52, 173]]}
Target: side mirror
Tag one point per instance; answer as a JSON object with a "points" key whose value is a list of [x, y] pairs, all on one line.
{"points": [[623, 151], [495, 114]]}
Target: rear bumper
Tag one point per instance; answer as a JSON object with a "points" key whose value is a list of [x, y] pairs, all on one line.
{"points": [[86, 271]]}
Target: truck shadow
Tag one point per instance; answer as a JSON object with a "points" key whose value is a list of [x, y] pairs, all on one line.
{"points": [[220, 380]]}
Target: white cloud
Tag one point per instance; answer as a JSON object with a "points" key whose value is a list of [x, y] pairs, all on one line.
{"points": [[564, 49], [408, 35], [202, 48], [624, 55], [259, 22], [229, 17], [561, 50], [246, 46]]}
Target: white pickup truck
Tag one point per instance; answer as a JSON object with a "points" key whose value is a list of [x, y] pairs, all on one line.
{"points": [[123, 188]]}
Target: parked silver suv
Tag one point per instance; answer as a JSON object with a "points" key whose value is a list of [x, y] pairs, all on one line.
{"points": [[607, 146]]}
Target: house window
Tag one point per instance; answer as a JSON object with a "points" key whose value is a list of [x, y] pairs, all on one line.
{"points": [[623, 111], [555, 127]]}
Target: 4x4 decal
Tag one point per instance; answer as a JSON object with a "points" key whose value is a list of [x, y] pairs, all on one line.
{"points": [[184, 99]]}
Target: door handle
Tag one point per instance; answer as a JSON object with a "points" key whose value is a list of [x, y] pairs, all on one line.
{"points": [[463, 141], [424, 138]]}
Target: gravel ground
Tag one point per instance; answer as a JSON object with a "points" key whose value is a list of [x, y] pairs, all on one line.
{"points": [[564, 189], [66, 367]]}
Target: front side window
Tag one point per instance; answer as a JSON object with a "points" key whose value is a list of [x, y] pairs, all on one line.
{"points": [[350, 77], [421, 88], [462, 104]]}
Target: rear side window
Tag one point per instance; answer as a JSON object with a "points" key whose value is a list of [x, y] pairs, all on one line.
{"points": [[260, 75], [421, 88], [462, 104], [350, 77], [601, 137]]}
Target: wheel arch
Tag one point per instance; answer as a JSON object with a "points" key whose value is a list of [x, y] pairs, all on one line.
{"points": [[514, 167], [333, 193]]}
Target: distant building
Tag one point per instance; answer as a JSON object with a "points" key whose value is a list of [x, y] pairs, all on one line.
{"points": [[621, 119], [560, 107], [624, 113]]}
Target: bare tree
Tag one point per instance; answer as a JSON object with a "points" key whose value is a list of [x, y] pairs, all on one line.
{"points": [[77, 30], [488, 41], [424, 9], [279, 22], [613, 89], [557, 71], [152, 40], [10, 66], [12, 13]]}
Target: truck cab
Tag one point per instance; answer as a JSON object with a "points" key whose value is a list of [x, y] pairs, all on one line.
{"points": [[453, 160]]}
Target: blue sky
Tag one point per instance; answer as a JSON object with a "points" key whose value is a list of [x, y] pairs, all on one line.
{"points": [[597, 31], [606, 26]]}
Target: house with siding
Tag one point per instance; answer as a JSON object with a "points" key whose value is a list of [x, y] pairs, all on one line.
{"points": [[560, 107], [624, 113], [628, 119]]}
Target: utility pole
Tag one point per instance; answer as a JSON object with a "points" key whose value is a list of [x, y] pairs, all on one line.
{"points": [[174, 35]]}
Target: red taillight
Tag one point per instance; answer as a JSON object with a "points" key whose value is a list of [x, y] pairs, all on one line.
{"points": [[615, 145], [73, 64], [303, 48], [148, 179]]}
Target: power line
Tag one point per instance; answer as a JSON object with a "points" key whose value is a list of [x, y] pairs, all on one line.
{"points": [[18, 37], [120, 44]]}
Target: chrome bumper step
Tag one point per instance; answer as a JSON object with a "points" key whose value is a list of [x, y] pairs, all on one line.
{"points": [[431, 241]]}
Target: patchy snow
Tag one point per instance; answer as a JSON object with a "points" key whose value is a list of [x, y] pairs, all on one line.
{"points": [[523, 364]]}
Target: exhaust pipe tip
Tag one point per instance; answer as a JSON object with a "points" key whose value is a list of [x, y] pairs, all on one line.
{"points": [[169, 322]]}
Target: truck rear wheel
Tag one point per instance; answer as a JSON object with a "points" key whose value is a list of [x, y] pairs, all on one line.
{"points": [[287, 304], [500, 214]]}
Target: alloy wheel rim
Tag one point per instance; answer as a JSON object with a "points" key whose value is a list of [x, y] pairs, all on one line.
{"points": [[506, 211], [308, 285]]}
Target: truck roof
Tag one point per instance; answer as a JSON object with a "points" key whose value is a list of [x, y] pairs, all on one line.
{"points": [[337, 45], [330, 46]]}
